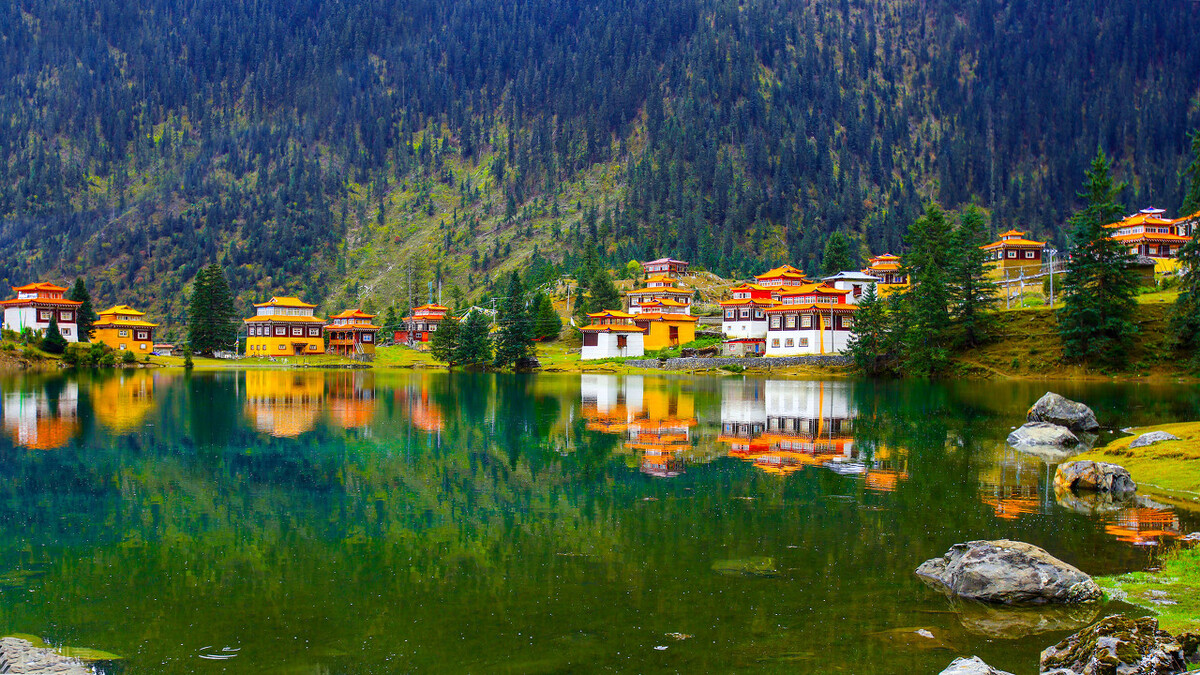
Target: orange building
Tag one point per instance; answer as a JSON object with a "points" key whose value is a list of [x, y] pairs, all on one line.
{"points": [[34, 307], [124, 328], [284, 326], [422, 323], [1148, 233], [1013, 251], [667, 324], [785, 275], [351, 333], [660, 292], [887, 269]]}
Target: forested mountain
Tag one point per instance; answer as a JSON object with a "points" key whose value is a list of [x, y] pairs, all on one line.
{"points": [[353, 151]]}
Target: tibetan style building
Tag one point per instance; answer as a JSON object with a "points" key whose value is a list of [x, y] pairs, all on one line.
{"points": [[612, 333], [814, 319], [421, 324], [1014, 251], [351, 333], [886, 268], [785, 275], [660, 291], [124, 328], [284, 326], [667, 324], [1147, 233], [35, 306], [668, 267]]}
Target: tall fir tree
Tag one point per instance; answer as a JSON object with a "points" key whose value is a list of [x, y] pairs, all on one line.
{"points": [[1096, 320], [1191, 200], [211, 312], [1185, 314], [837, 256], [85, 316], [547, 322], [972, 294], [514, 341], [53, 342], [870, 346], [474, 344], [928, 335], [444, 343]]}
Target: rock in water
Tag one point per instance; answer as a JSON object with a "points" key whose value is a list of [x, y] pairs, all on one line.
{"points": [[1043, 433], [22, 656], [1009, 572], [972, 666], [1064, 412], [746, 567], [1095, 477], [1152, 438], [1117, 644]]}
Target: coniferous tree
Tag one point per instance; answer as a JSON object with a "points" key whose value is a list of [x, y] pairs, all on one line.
{"points": [[546, 320], [973, 296], [837, 257], [1185, 315], [85, 316], [1096, 320], [54, 342], [444, 343], [1191, 200], [928, 335], [211, 312], [474, 344], [870, 346], [514, 341], [604, 293]]}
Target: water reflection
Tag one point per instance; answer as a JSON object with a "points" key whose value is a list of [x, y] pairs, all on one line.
{"points": [[284, 403], [352, 398], [42, 417], [121, 400], [653, 416]]}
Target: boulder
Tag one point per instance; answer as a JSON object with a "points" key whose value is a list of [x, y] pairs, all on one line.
{"points": [[18, 655], [1086, 475], [1152, 438], [1043, 433], [971, 666], [1190, 643], [1117, 644], [1010, 572], [1064, 412]]}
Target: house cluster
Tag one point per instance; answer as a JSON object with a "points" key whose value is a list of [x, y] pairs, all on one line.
{"points": [[282, 326], [655, 316]]}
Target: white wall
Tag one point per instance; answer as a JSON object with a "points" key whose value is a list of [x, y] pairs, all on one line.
{"points": [[17, 318], [744, 328], [835, 342], [606, 347]]}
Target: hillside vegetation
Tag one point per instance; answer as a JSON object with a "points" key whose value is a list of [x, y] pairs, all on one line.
{"points": [[356, 152]]}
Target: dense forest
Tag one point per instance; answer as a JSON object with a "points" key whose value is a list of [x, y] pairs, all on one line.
{"points": [[359, 151]]}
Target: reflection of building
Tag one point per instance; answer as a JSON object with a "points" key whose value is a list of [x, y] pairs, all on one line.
{"points": [[125, 329], [1143, 525], [284, 327], [654, 417], [36, 305], [424, 413], [121, 401], [284, 403], [351, 398], [42, 420], [1011, 485]]}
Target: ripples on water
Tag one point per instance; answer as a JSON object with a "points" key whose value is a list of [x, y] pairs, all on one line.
{"points": [[303, 521]]}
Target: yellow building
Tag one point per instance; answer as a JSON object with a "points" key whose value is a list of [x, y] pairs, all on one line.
{"points": [[666, 327], [892, 277], [284, 327], [124, 328]]}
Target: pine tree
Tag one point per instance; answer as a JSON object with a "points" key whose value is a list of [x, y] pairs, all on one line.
{"points": [[474, 345], [211, 312], [390, 320], [928, 336], [546, 320], [53, 342], [1185, 315], [604, 294], [1099, 285], [1191, 202], [972, 295], [837, 257], [199, 308], [444, 342], [514, 342], [870, 345], [85, 316]]}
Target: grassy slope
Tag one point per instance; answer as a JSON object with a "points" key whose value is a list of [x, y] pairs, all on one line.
{"points": [[1172, 593], [1170, 469]]}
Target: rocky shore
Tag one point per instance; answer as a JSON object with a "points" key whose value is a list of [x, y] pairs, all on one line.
{"points": [[21, 656]]}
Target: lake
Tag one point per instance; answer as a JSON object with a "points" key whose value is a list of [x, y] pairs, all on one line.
{"points": [[311, 521]]}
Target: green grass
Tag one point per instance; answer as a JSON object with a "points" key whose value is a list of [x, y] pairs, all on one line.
{"points": [[1170, 469], [1172, 593]]}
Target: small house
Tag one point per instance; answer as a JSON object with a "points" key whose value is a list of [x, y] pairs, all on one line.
{"points": [[1147, 233], [351, 333], [36, 305], [807, 328], [665, 327], [742, 347], [668, 267], [421, 324], [886, 268], [1014, 251], [785, 275], [855, 283], [612, 333], [658, 290]]}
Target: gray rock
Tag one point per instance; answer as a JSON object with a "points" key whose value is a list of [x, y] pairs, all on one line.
{"points": [[1086, 475], [1152, 438], [1010, 572], [971, 666], [1093, 503], [21, 656], [1117, 644], [1064, 412], [1043, 433]]}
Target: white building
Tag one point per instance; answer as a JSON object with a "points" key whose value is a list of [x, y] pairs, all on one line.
{"points": [[854, 282], [809, 329], [34, 307], [611, 334]]}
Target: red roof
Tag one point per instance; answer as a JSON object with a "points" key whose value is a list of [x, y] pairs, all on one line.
{"points": [[39, 286]]}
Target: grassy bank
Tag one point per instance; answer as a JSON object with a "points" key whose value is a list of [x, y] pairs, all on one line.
{"points": [[1169, 470], [1172, 593]]}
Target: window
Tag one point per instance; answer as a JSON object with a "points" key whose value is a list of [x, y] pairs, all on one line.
{"points": [[622, 341], [143, 335], [858, 291], [775, 343], [791, 321], [122, 333], [730, 314], [1029, 254], [281, 330], [142, 346], [122, 346], [1012, 254], [590, 339], [282, 348], [69, 317], [745, 313], [806, 322], [789, 343], [297, 332], [65, 331], [367, 337], [1153, 250], [314, 332], [775, 322], [758, 314], [44, 315], [847, 322], [803, 342]]}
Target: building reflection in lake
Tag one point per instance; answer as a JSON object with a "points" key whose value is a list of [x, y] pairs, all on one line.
{"points": [[122, 400], [284, 403], [42, 419], [351, 398], [655, 417], [424, 413]]}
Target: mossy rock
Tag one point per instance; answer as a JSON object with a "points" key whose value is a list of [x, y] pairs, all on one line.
{"points": [[1115, 644], [760, 566]]}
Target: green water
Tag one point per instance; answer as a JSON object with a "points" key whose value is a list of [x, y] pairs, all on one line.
{"points": [[359, 522]]}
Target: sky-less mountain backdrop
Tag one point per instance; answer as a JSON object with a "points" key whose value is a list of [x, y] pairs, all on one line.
{"points": [[352, 152]]}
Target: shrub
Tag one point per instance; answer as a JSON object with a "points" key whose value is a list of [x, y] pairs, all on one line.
{"points": [[128, 357], [108, 360]]}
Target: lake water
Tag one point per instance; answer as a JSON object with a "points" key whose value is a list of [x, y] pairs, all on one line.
{"points": [[363, 522]]}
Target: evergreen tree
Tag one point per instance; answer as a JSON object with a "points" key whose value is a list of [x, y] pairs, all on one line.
{"points": [[85, 316], [444, 343], [972, 295], [1191, 201], [604, 293], [54, 342], [514, 342], [1099, 285], [837, 257], [390, 320], [870, 345], [928, 336], [211, 312], [474, 344], [1185, 315], [547, 322]]}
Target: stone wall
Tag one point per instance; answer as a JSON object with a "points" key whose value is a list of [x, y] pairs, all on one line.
{"points": [[751, 362]]}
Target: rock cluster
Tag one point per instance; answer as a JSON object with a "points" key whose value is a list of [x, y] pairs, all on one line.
{"points": [[20, 656], [1094, 477], [1055, 409], [1116, 644], [1006, 571]]}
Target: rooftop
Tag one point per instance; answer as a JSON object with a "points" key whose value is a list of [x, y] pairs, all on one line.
{"points": [[285, 301]]}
